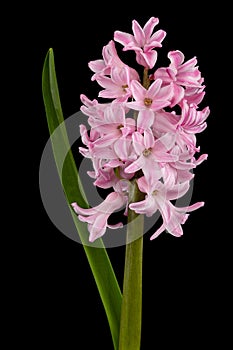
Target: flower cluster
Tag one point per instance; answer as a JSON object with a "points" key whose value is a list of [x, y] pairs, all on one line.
{"points": [[138, 135]]}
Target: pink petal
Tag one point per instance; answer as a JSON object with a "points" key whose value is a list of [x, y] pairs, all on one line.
{"points": [[136, 105], [138, 33], [176, 57], [146, 59], [178, 95], [136, 165], [113, 93], [177, 191], [106, 82], [145, 119], [83, 211], [147, 206], [138, 142], [158, 232], [201, 159], [120, 76], [110, 55], [98, 228], [151, 170], [154, 89], [121, 148], [191, 207], [97, 65], [108, 139], [165, 143], [143, 185], [149, 27], [166, 74], [138, 91], [188, 65], [108, 153], [165, 93], [158, 36], [115, 226], [157, 105], [123, 38], [149, 139], [164, 157]]}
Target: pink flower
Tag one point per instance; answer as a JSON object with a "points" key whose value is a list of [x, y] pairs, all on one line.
{"points": [[110, 59], [190, 123], [151, 153], [183, 75], [149, 101], [112, 66], [118, 84], [156, 145], [185, 126], [97, 217], [142, 42], [115, 134], [158, 197]]}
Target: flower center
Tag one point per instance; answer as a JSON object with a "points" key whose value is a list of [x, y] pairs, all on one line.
{"points": [[155, 192], [120, 126], [147, 152], [124, 87], [148, 102]]}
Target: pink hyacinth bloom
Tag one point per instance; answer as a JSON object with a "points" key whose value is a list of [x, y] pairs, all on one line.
{"points": [[154, 145], [118, 84], [115, 135], [110, 58], [158, 197], [103, 67], [183, 75], [142, 42], [93, 109], [191, 122], [97, 217], [149, 101], [151, 153]]}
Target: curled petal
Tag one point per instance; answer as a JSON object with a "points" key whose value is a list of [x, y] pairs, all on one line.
{"points": [[176, 57]]}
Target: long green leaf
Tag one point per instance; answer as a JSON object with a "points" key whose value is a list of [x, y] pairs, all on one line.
{"points": [[97, 257]]}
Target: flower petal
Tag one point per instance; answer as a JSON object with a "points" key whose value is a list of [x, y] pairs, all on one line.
{"points": [[138, 33], [149, 27], [136, 165], [176, 57], [154, 88], [123, 38], [145, 119], [158, 232], [138, 91], [138, 142]]}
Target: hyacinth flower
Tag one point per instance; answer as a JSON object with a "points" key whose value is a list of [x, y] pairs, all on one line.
{"points": [[142, 145], [158, 197], [185, 76], [142, 42]]}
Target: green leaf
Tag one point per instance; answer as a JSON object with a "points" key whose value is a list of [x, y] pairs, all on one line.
{"points": [[97, 257]]}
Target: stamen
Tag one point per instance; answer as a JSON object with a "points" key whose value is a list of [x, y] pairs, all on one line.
{"points": [[120, 126], [124, 87], [147, 152], [148, 102]]}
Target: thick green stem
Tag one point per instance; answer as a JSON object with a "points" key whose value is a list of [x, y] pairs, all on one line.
{"points": [[131, 310]]}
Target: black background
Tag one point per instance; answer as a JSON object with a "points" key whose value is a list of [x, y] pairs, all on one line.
{"points": [[184, 280]]}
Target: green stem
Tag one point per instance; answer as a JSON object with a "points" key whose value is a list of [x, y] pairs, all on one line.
{"points": [[146, 80], [131, 309]]}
